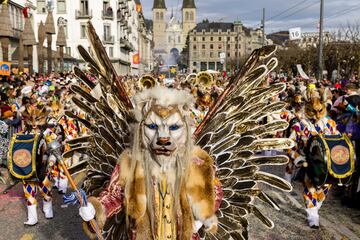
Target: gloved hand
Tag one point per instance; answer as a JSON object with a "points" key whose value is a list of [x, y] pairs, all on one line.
{"points": [[299, 161], [87, 212]]}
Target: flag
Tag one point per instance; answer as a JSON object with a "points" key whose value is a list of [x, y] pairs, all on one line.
{"points": [[138, 7], [136, 58]]}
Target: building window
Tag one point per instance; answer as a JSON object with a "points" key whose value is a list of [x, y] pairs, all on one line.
{"points": [[211, 46], [203, 39], [194, 64], [41, 6], [107, 31], [84, 7], [229, 39], [228, 54], [106, 5], [203, 46], [66, 31], [228, 46], [211, 54], [111, 51], [68, 51], [194, 39], [203, 54], [211, 38], [191, 16], [157, 16], [83, 30], [187, 16], [61, 6], [220, 46], [194, 47], [219, 38], [179, 39], [161, 16]]}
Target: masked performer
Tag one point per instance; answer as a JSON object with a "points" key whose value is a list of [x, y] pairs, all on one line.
{"points": [[150, 178], [311, 122], [35, 154]]}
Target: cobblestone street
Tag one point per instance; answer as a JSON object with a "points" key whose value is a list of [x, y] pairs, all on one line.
{"points": [[336, 221]]}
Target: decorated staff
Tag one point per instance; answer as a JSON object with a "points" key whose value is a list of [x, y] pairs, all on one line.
{"points": [[54, 148]]}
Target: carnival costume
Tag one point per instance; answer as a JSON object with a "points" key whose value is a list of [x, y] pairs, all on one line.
{"points": [[310, 124], [150, 178], [27, 162]]}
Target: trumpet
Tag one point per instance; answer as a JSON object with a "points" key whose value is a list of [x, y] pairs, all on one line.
{"points": [[147, 81]]}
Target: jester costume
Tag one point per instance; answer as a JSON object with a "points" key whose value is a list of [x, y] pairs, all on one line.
{"points": [[312, 121], [35, 120], [150, 177]]}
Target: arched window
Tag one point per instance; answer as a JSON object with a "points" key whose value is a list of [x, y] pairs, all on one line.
{"points": [[161, 16], [157, 16], [191, 16], [187, 16]]}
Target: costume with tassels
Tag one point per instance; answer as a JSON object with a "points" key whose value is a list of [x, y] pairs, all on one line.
{"points": [[150, 177]]}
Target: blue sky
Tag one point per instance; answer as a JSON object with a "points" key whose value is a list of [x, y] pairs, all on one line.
{"points": [[280, 14]]}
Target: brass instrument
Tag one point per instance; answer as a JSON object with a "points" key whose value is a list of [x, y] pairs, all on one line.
{"points": [[204, 79], [147, 81], [191, 78]]}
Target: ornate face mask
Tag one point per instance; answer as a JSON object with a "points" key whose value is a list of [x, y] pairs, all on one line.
{"points": [[315, 109], [163, 121], [164, 130]]}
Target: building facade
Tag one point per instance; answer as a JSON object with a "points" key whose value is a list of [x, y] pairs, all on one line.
{"points": [[120, 25], [214, 45], [170, 34], [17, 26]]}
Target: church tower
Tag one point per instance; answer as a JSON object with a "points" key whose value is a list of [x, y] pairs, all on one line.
{"points": [[159, 24], [188, 16]]}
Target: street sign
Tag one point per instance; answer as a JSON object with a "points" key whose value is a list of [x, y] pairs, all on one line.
{"points": [[222, 55], [222, 61], [295, 33]]}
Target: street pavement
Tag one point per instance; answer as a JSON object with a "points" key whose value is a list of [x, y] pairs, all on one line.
{"points": [[336, 221]]}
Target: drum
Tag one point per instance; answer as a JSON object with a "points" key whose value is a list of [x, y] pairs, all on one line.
{"points": [[331, 159], [25, 157]]}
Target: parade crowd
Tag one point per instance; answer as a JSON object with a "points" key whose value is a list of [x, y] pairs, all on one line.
{"points": [[37, 104]]}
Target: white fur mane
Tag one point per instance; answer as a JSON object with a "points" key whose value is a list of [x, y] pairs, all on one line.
{"points": [[164, 96]]}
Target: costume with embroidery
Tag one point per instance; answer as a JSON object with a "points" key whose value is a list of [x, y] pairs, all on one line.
{"points": [[150, 177]]}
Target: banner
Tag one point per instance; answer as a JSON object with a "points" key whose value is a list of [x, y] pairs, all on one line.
{"points": [[295, 33], [301, 72], [136, 58], [5, 68]]}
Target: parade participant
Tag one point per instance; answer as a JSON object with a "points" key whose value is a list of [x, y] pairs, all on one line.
{"points": [[149, 180], [35, 120], [311, 122]]}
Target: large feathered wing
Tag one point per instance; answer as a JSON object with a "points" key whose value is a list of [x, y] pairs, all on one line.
{"points": [[232, 135], [107, 117]]}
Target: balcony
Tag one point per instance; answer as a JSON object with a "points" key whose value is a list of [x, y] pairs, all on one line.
{"points": [[108, 39], [108, 14], [83, 14], [126, 45]]}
